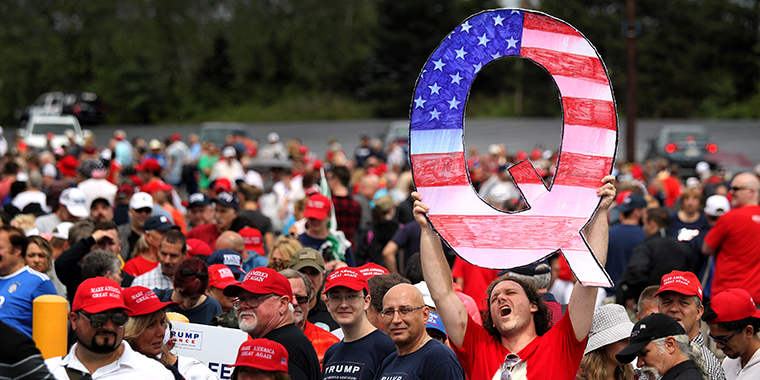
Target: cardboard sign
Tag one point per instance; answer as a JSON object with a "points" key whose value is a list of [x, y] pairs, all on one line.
{"points": [[558, 213], [217, 347]]}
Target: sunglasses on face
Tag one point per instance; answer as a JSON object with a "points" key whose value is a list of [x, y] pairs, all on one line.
{"points": [[99, 320], [510, 361], [187, 273]]}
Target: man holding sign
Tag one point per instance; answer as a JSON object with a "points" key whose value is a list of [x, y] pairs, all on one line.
{"points": [[515, 335]]}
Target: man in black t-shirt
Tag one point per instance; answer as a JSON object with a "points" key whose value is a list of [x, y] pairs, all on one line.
{"points": [[264, 306]]}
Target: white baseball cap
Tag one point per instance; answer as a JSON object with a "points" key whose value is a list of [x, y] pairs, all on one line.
{"points": [[75, 201], [273, 137], [717, 205], [140, 200], [229, 152], [62, 230]]}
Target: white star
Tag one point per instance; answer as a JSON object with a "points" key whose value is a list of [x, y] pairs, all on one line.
{"points": [[439, 64], [454, 103], [419, 102], [497, 20], [513, 12], [477, 67], [496, 55], [455, 78], [434, 114], [466, 27], [483, 40], [512, 43], [461, 53], [434, 88]]}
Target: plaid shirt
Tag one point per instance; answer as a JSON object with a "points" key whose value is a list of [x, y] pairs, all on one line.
{"points": [[348, 213], [711, 363], [153, 279]]}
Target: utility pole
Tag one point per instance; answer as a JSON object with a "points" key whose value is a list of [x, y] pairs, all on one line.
{"points": [[631, 107]]}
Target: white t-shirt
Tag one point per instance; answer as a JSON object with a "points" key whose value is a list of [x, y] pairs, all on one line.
{"points": [[131, 365], [734, 371]]}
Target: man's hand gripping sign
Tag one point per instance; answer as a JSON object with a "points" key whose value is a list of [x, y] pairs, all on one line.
{"points": [[558, 213]]}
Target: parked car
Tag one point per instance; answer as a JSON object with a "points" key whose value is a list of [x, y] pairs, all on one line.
{"points": [[217, 132], [682, 144], [40, 129], [85, 106]]}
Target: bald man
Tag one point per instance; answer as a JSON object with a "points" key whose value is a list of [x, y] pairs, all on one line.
{"points": [[231, 240], [417, 356], [733, 239]]}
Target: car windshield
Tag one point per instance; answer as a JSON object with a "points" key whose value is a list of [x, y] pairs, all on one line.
{"points": [[44, 128], [687, 136], [217, 135]]}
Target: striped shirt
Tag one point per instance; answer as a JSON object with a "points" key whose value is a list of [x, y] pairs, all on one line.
{"points": [[711, 363]]}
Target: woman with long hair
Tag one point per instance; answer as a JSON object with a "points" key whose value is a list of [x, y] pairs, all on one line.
{"points": [[39, 254], [609, 334], [270, 364], [282, 248]]}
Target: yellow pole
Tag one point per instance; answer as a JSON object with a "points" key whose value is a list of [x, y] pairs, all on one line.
{"points": [[49, 326]]}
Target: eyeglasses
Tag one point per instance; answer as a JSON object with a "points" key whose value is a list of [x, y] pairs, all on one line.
{"points": [[189, 272], [737, 188], [99, 320], [350, 298], [402, 311], [510, 361], [252, 301], [302, 299], [724, 341]]}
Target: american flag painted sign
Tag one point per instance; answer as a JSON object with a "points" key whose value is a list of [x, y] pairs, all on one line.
{"points": [[558, 213]]}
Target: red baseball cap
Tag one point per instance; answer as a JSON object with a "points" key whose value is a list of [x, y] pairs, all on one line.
{"points": [[176, 136], [68, 165], [197, 247], [317, 207], [141, 301], [220, 276], [263, 354], [252, 239], [156, 185], [149, 165], [98, 294], [685, 283], [222, 185], [262, 280], [370, 270], [349, 277], [733, 305]]}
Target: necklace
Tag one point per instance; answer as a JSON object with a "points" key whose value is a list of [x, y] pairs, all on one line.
{"points": [[424, 340]]}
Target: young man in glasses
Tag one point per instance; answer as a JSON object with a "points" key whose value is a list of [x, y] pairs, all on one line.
{"points": [[364, 347], [97, 318], [733, 239], [320, 338], [680, 296], [417, 356], [264, 307], [734, 322], [517, 320]]}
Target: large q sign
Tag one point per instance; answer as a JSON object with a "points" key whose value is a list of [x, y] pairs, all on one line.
{"points": [[557, 214]]}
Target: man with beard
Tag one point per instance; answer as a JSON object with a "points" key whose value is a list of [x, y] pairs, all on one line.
{"points": [[320, 338], [264, 310], [97, 318]]}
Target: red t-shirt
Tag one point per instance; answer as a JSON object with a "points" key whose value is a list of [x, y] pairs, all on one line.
{"points": [[206, 233], [320, 338], [735, 237], [138, 266], [476, 280], [556, 355]]}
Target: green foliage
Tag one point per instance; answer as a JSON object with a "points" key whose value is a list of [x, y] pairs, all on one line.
{"points": [[284, 60]]}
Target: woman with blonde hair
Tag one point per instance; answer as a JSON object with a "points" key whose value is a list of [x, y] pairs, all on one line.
{"points": [[282, 248], [610, 331], [39, 254]]}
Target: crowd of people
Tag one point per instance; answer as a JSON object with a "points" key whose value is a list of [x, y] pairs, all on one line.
{"points": [[331, 267]]}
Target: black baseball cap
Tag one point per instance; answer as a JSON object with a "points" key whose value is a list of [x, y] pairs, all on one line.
{"points": [[652, 327], [159, 223], [228, 200], [631, 202], [199, 199], [539, 267]]}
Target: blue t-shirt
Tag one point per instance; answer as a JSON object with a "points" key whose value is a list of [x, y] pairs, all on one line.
{"points": [[623, 238], [693, 235], [433, 361], [201, 314], [17, 293], [319, 244], [357, 360]]}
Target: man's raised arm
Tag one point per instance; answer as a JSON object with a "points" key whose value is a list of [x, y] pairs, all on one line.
{"points": [[582, 300], [437, 274]]}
